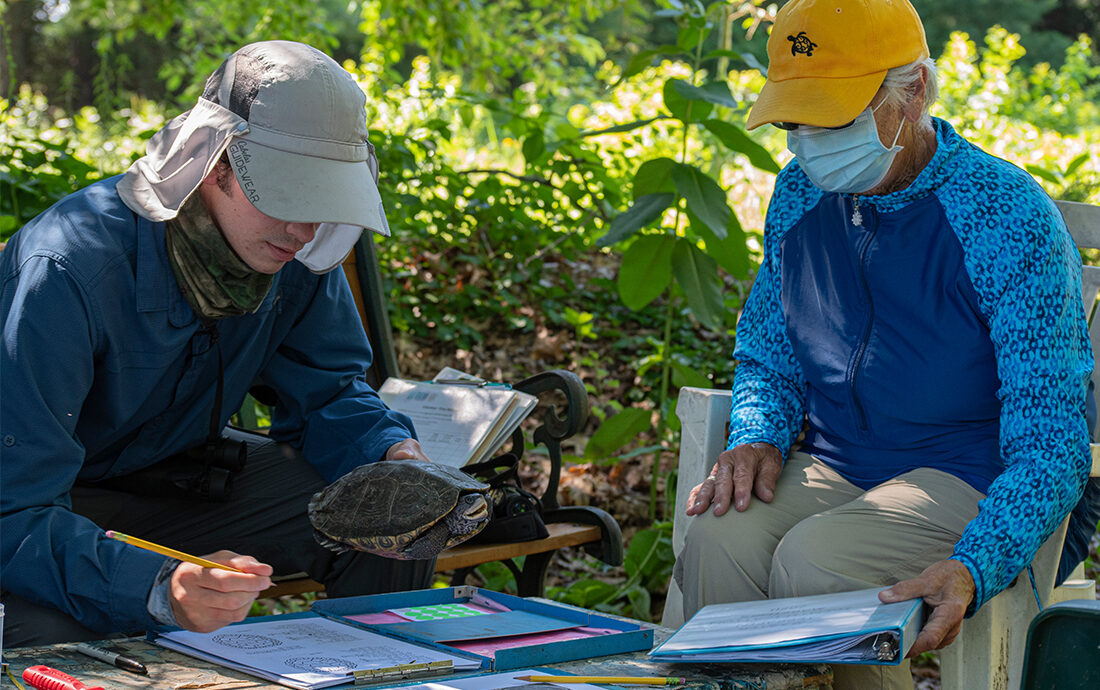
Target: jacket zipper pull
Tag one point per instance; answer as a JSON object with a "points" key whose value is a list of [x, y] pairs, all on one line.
{"points": [[857, 217]]}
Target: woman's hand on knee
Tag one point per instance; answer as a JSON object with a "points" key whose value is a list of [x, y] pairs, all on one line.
{"points": [[205, 599], [737, 474], [948, 587]]}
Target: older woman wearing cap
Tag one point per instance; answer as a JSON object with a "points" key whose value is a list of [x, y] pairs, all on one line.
{"points": [[909, 399], [136, 315]]}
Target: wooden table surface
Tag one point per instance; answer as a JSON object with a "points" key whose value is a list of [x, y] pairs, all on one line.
{"points": [[174, 671]]}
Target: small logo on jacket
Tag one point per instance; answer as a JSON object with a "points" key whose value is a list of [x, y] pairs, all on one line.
{"points": [[802, 44]]}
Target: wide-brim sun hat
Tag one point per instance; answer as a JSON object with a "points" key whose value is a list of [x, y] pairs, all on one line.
{"points": [[828, 58], [294, 124]]}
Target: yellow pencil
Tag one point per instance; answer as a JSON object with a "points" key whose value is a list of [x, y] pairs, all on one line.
{"points": [[610, 680], [165, 551]]}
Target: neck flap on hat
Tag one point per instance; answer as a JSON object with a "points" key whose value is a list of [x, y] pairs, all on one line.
{"points": [[213, 279]]}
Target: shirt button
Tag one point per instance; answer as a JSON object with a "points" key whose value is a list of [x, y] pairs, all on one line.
{"points": [[9, 440]]}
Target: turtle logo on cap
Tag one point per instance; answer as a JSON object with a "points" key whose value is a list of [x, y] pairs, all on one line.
{"points": [[802, 44]]}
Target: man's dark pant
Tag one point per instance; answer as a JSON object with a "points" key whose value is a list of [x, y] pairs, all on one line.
{"points": [[265, 517]]}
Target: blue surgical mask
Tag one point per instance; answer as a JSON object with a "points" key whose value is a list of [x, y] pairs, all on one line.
{"points": [[849, 160]]}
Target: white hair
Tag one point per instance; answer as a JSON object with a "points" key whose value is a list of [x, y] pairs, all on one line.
{"points": [[902, 83]]}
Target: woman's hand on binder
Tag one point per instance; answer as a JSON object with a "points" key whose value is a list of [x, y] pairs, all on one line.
{"points": [[948, 587], [205, 599], [409, 449], [738, 473]]}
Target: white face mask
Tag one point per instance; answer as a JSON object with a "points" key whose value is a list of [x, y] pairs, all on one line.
{"points": [[849, 160]]}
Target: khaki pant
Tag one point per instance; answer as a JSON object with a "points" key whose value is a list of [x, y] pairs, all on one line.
{"points": [[822, 534]]}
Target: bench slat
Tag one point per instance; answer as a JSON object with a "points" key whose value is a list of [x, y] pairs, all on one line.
{"points": [[562, 534]]}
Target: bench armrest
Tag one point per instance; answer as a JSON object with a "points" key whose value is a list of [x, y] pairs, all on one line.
{"points": [[557, 425], [704, 419]]}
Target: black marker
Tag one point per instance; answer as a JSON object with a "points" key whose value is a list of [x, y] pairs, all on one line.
{"points": [[125, 663]]}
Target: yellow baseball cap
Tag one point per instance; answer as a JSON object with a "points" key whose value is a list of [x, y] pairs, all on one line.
{"points": [[827, 58]]}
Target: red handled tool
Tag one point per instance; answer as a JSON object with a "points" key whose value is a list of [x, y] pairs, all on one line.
{"points": [[46, 678]]}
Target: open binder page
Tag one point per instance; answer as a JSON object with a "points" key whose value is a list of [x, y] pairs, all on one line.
{"points": [[847, 627], [304, 652], [452, 421], [522, 404]]}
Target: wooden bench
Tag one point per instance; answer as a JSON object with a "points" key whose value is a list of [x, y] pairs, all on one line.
{"points": [[587, 527], [989, 651]]}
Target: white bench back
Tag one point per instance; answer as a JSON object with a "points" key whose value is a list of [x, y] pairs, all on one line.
{"points": [[1083, 221]]}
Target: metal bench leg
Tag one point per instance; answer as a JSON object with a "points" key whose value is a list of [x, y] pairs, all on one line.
{"points": [[531, 580]]}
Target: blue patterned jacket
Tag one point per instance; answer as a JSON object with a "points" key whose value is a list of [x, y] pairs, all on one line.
{"points": [[944, 329]]}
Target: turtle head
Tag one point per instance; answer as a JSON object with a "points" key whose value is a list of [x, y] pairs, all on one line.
{"points": [[470, 515]]}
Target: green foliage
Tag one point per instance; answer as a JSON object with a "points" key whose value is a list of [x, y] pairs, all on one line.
{"points": [[36, 170], [497, 577], [546, 41], [648, 564], [1045, 121], [617, 431], [683, 256]]}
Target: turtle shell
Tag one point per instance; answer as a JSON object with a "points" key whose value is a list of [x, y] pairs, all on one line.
{"points": [[403, 509]]}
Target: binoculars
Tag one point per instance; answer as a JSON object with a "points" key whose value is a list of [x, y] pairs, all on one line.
{"points": [[204, 472]]}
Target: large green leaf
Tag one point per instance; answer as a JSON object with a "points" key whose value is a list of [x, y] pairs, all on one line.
{"points": [[640, 602], [683, 375], [716, 92], [688, 37], [619, 128], [731, 252], [639, 62], [728, 54], [736, 139], [646, 270], [587, 592], [1047, 175], [617, 431], [684, 109], [654, 177], [644, 211], [638, 550], [534, 146], [697, 274], [704, 197]]}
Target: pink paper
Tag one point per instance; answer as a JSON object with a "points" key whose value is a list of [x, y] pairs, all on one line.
{"points": [[490, 646]]}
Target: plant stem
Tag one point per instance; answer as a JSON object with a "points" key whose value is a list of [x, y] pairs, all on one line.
{"points": [[666, 354]]}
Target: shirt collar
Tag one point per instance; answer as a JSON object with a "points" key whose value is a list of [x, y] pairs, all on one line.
{"points": [[931, 177], [157, 289]]}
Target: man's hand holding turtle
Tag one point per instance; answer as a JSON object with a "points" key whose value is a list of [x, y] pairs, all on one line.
{"points": [[409, 449]]}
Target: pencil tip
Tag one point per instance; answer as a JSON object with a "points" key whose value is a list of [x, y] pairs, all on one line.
{"points": [[524, 678]]}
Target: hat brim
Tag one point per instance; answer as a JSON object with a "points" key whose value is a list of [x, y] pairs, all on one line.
{"points": [[814, 101], [341, 195], [308, 189]]}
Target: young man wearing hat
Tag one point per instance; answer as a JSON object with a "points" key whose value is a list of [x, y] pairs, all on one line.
{"points": [[137, 313], [909, 399]]}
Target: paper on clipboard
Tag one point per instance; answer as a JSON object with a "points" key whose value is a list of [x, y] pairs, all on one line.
{"points": [[458, 421], [304, 651]]}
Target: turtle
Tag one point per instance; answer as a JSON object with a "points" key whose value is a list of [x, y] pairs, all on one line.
{"points": [[802, 44], [403, 509]]}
